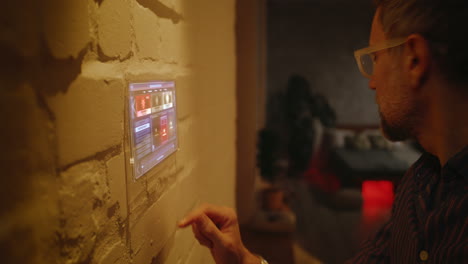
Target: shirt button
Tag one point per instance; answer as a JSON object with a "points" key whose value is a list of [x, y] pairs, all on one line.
{"points": [[423, 255]]}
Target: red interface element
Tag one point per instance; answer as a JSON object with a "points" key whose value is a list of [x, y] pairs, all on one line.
{"points": [[153, 124], [143, 105]]}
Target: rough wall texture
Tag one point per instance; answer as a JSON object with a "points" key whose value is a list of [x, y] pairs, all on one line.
{"points": [[65, 194], [317, 40]]}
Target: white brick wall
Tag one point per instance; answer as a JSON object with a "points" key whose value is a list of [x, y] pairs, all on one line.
{"points": [[89, 118], [117, 184], [73, 197], [115, 28], [148, 39]]}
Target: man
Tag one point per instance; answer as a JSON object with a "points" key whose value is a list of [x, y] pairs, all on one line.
{"points": [[418, 68]]}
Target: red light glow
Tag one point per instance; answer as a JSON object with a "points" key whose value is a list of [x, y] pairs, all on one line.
{"points": [[377, 198], [377, 194]]}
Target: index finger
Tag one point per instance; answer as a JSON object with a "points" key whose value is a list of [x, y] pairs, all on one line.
{"points": [[216, 213]]}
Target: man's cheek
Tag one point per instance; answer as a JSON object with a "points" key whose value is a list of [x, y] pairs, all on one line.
{"points": [[379, 97]]}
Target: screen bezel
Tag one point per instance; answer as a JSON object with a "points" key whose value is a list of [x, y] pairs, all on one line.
{"points": [[129, 135]]}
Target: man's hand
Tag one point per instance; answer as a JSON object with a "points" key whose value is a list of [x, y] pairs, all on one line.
{"points": [[217, 228]]}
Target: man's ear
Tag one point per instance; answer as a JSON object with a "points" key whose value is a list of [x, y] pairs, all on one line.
{"points": [[417, 59]]}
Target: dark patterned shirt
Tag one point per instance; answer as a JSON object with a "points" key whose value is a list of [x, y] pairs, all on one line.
{"points": [[429, 221]]}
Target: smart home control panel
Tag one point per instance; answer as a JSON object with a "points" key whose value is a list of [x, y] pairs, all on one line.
{"points": [[153, 124]]}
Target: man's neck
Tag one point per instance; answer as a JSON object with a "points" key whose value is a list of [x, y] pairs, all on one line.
{"points": [[444, 132]]}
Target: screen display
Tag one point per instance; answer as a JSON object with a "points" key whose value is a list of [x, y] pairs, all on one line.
{"points": [[153, 124]]}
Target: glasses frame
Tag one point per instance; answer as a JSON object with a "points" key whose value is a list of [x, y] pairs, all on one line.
{"points": [[391, 43]]}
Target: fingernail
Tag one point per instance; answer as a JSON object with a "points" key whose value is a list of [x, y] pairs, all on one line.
{"points": [[181, 222]]}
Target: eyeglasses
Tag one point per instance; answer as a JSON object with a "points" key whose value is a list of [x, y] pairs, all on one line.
{"points": [[365, 57]]}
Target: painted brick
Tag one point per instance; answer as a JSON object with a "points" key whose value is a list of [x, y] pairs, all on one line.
{"points": [[151, 71], [66, 26], [174, 44], [200, 254], [82, 194], [169, 32], [152, 231], [116, 253], [178, 248], [185, 154], [114, 28], [98, 70], [89, 118], [137, 197], [164, 169], [145, 191], [161, 178], [184, 241], [110, 247], [148, 37], [185, 89], [188, 184], [116, 174]]}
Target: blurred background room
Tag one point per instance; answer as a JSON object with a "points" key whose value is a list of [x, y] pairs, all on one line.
{"points": [[320, 143]]}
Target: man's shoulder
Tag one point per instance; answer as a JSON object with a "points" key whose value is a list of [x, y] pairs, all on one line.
{"points": [[459, 164], [425, 162]]}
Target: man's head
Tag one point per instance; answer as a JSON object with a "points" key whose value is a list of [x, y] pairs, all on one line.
{"points": [[434, 50], [444, 23]]}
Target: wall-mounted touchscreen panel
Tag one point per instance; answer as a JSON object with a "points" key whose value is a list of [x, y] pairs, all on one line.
{"points": [[153, 124]]}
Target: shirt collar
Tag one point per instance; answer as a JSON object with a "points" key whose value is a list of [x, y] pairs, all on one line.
{"points": [[456, 167], [459, 164]]}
